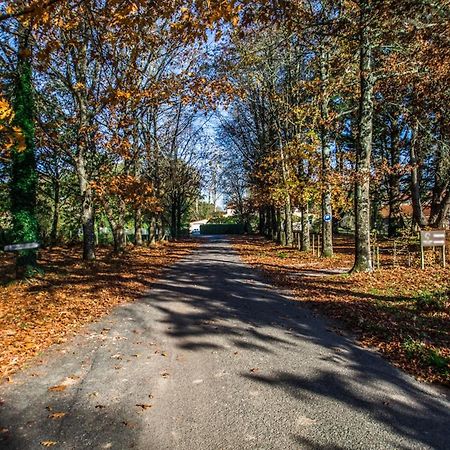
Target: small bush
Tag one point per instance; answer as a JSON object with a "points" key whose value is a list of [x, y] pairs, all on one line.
{"points": [[415, 349], [437, 360], [432, 301]]}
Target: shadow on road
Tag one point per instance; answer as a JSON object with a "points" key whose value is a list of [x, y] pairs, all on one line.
{"points": [[210, 302], [223, 298]]}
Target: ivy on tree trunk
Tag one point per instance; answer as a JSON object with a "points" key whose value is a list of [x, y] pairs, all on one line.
{"points": [[23, 181]]}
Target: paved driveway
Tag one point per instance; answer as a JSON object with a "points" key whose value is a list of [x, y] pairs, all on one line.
{"points": [[214, 358]]}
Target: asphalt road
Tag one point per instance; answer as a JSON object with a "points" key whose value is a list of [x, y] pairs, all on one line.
{"points": [[214, 358]]}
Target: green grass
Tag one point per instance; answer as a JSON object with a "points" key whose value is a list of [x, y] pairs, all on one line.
{"points": [[432, 301], [415, 349]]}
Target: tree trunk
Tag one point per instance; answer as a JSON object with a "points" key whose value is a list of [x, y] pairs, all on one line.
{"points": [[327, 226], [87, 200], [283, 226], [179, 217], [87, 210], [138, 226], [23, 182], [119, 237], [161, 227], [152, 230], [278, 225], [173, 219], [274, 223], [418, 214], [288, 221], [305, 245], [56, 206], [440, 218], [363, 261], [262, 221]]}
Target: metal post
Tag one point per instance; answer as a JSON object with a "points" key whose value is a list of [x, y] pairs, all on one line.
{"points": [[422, 257], [443, 256]]}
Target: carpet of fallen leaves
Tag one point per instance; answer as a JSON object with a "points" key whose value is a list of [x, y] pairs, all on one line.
{"points": [[380, 308], [36, 314]]}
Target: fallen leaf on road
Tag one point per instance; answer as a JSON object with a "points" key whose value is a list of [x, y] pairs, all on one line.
{"points": [[100, 406], [72, 295], [128, 424], [48, 443], [56, 415], [165, 374], [305, 421], [58, 388], [254, 369], [143, 405]]}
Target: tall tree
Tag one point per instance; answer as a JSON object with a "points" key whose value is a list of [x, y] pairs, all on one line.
{"points": [[23, 181]]}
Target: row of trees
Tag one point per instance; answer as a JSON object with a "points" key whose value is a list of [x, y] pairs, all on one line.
{"points": [[335, 103], [100, 120], [344, 106]]}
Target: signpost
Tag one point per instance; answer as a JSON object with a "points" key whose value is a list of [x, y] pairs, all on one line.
{"points": [[327, 218], [432, 239], [19, 247]]}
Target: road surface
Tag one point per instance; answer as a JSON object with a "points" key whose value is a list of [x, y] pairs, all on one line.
{"points": [[215, 358]]}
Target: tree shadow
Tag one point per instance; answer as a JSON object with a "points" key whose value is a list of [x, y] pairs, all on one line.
{"points": [[209, 302]]}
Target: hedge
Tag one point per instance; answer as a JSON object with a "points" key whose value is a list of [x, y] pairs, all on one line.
{"points": [[222, 228]]}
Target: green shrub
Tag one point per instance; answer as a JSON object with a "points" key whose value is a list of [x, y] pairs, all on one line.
{"points": [[415, 349], [437, 360], [222, 228], [432, 301], [224, 220]]}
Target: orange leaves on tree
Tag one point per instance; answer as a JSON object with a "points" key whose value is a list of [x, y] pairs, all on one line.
{"points": [[10, 136], [130, 189]]}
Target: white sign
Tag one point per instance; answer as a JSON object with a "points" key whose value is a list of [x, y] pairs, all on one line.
{"points": [[18, 247], [432, 238]]}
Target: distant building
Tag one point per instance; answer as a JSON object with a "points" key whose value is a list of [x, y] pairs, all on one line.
{"points": [[194, 227], [229, 212], [405, 210]]}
